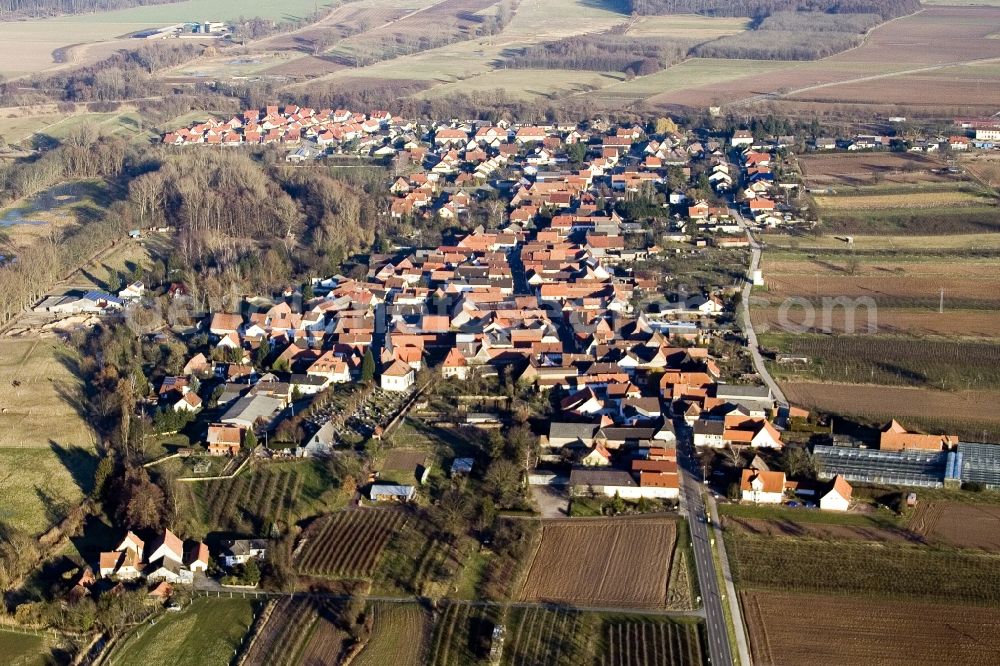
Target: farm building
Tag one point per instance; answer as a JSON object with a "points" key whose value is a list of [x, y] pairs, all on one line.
{"points": [[979, 463], [250, 409], [603, 482], [902, 468], [837, 496], [757, 400], [897, 438], [391, 492]]}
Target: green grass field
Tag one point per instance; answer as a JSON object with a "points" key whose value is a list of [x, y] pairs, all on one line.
{"points": [[207, 632], [20, 649], [47, 454], [27, 46], [803, 516], [199, 10]]}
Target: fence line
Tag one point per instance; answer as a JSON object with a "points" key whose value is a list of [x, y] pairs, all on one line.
{"points": [[194, 479]]}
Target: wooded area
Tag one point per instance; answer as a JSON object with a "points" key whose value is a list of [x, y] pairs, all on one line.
{"points": [[603, 53], [17, 9], [779, 45]]}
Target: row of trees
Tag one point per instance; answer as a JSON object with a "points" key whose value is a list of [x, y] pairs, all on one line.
{"points": [[760, 8], [124, 75]]}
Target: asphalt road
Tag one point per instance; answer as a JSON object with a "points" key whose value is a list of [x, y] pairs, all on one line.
{"points": [[719, 650]]}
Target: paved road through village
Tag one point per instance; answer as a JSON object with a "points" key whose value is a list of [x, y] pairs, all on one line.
{"points": [[719, 649]]}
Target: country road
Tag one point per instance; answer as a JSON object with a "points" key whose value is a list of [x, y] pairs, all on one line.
{"points": [[752, 343], [692, 504]]}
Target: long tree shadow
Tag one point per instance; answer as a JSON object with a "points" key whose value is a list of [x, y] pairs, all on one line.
{"points": [[79, 462], [78, 397], [55, 508]]}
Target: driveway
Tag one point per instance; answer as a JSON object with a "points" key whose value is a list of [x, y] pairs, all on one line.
{"points": [[552, 501]]}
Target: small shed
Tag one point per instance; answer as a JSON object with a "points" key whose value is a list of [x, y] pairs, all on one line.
{"points": [[390, 492], [461, 467]]}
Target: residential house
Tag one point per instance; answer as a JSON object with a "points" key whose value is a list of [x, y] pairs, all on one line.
{"points": [[224, 440], [762, 487], [241, 551], [455, 365]]}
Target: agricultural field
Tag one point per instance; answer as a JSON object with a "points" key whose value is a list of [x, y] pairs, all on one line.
{"points": [[862, 568], [958, 524], [252, 501], [348, 543], [599, 550], [207, 631], [568, 637], [901, 284], [960, 412], [462, 635], [527, 84], [834, 170], [690, 26], [631, 642], [876, 73], [862, 631], [47, 450], [400, 636], [984, 167], [415, 562], [891, 360], [549, 636], [403, 466], [951, 243], [289, 632], [894, 321], [326, 641], [920, 199], [668, 86]]}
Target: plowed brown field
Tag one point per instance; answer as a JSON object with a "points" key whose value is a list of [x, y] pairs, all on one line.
{"points": [[832, 169], [800, 629], [962, 525], [599, 562], [875, 400]]}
